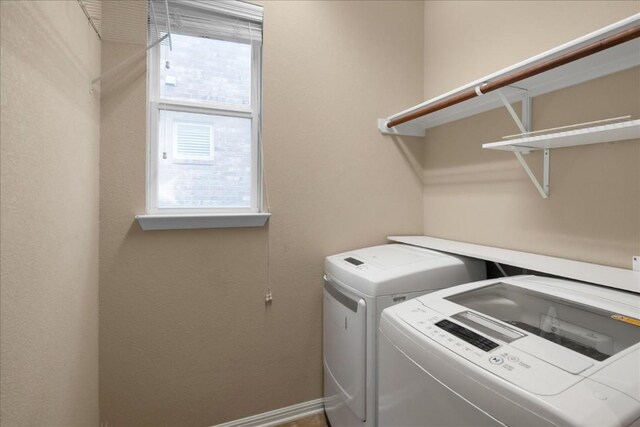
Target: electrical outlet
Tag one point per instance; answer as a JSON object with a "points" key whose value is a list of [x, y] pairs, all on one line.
{"points": [[635, 263]]}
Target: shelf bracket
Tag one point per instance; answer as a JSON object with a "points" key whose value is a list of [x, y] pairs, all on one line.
{"points": [[524, 125], [406, 129]]}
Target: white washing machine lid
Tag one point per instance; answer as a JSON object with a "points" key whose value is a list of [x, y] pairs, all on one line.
{"points": [[397, 268], [557, 332], [588, 330]]}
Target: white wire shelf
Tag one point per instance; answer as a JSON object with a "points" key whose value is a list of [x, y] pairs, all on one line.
{"points": [[590, 135]]}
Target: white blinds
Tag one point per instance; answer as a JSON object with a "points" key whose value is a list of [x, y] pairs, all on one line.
{"points": [[227, 20]]}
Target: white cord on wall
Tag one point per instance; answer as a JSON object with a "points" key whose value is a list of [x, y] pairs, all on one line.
{"points": [[268, 297]]}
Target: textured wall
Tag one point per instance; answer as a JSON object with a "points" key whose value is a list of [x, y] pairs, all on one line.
{"points": [[185, 336], [49, 215], [484, 196]]}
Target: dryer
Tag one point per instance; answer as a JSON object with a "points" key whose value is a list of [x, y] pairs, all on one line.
{"points": [[358, 285], [520, 351]]}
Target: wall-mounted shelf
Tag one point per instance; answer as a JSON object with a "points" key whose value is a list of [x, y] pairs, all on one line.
{"points": [[591, 135], [611, 60], [609, 50]]}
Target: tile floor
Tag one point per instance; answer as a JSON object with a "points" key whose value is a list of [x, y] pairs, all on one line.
{"points": [[318, 420]]}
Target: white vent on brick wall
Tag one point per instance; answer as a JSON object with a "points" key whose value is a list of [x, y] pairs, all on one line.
{"points": [[193, 141]]}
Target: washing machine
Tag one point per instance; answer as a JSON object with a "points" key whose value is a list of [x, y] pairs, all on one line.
{"points": [[520, 351], [358, 285]]}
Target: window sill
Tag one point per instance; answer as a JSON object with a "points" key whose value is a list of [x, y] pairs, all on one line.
{"points": [[192, 221]]}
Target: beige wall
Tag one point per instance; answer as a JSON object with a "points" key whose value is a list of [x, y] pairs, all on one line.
{"points": [[483, 196], [49, 215], [185, 336]]}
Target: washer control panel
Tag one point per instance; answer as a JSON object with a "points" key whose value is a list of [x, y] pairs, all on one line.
{"points": [[467, 335], [496, 357]]}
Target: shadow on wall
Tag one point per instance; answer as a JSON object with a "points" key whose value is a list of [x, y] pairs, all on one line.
{"points": [[412, 148], [179, 250], [505, 170], [454, 153], [72, 80], [117, 79]]}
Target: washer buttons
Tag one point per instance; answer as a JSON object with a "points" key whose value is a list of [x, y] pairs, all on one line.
{"points": [[496, 360]]}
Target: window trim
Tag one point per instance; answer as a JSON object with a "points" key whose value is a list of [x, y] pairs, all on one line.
{"points": [[155, 105], [150, 222]]}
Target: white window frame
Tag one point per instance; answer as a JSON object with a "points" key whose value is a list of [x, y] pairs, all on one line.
{"points": [[252, 112]]}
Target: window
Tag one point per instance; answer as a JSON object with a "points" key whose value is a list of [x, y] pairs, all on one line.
{"points": [[204, 108]]}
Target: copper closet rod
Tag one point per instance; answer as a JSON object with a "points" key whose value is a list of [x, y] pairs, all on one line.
{"points": [[606, 43]]}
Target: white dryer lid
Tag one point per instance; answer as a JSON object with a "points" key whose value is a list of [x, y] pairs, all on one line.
{"points": [[396, 268]]}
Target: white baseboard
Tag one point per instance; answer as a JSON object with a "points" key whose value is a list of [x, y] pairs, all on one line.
{"points": [[279, 416]]}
